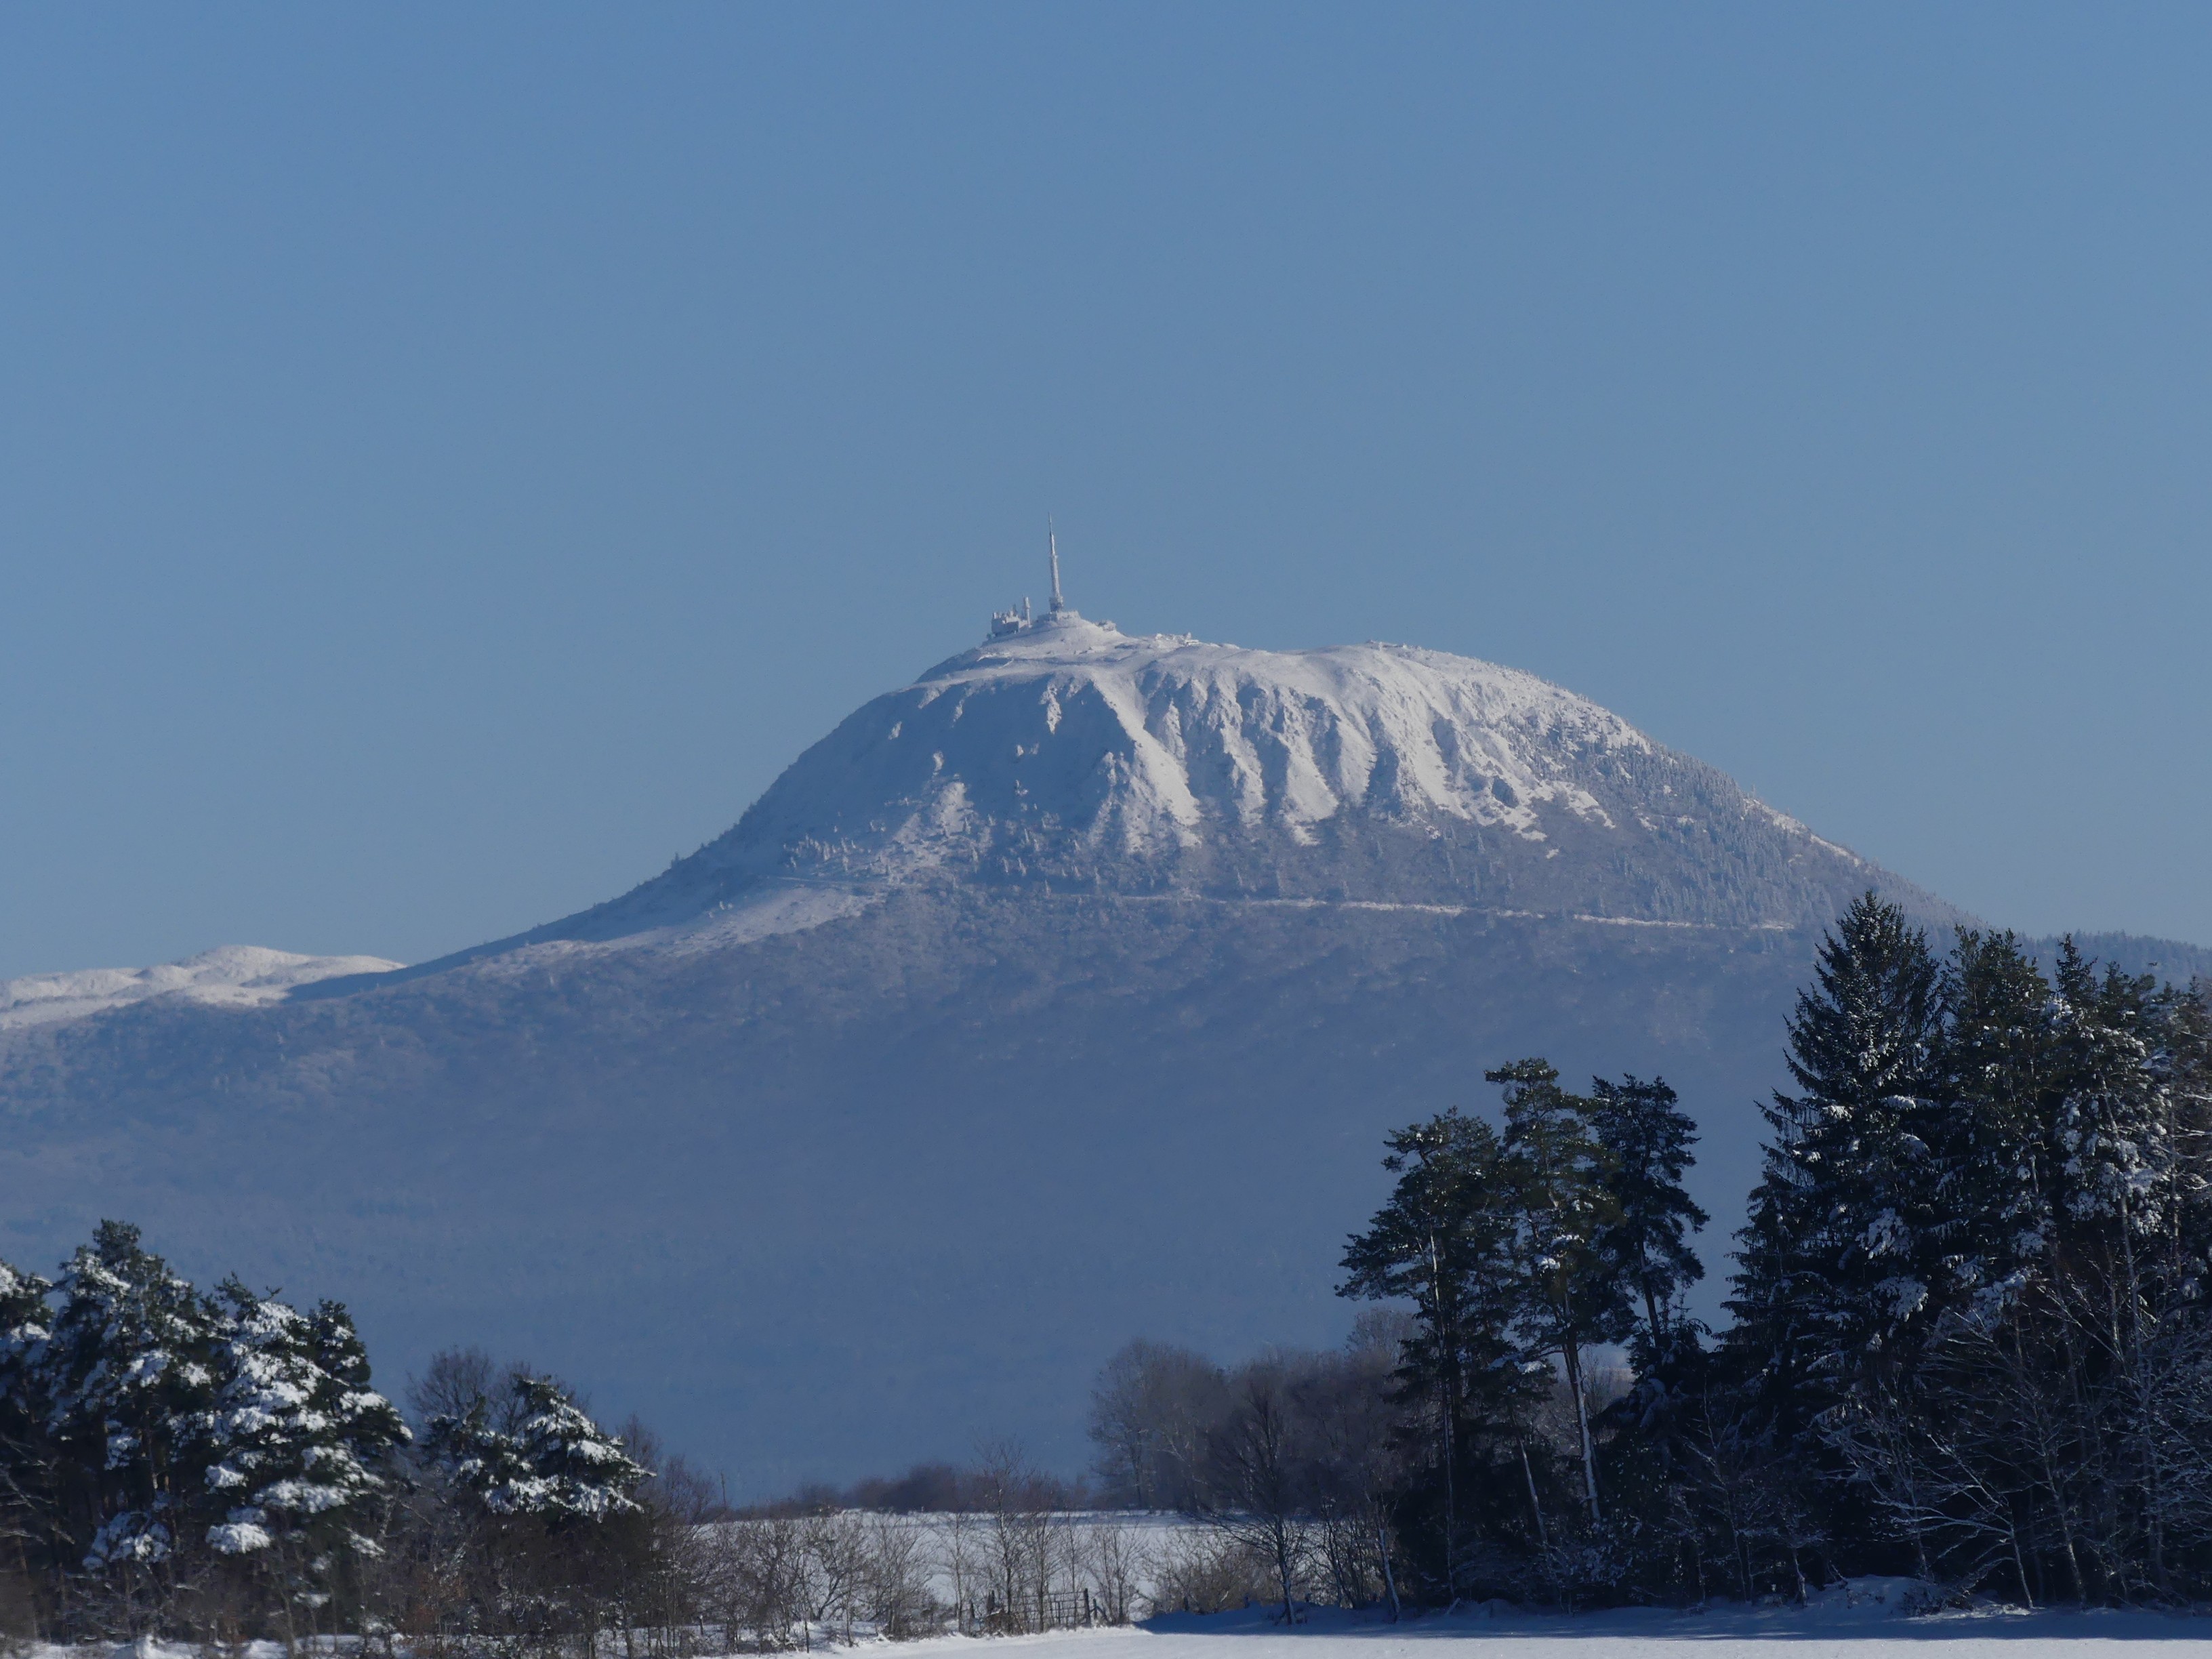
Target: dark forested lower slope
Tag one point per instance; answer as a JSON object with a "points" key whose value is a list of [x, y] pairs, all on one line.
{"points": [[1061, 995], [823, 1202]]}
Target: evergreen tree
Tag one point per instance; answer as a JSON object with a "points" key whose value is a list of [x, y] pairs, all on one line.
{"points": [[2122, 1181], [1558, 1184], [205, 1468], [1645, 1251], [297, 1441], [1974, 1296], [1995, 1180], [2126, 1295], [1646, 1138], [1440, 1243], [555, 1463], [2183, 1020], [126, 1376], [1841, 1255], [26, 1470], [1840, 1250], [24, 1317]]}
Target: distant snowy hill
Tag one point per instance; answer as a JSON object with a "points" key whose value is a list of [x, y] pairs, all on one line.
{"points": [[230, 976], [1060, 996]]}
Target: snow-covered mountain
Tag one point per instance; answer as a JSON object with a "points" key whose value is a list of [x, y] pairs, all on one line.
{"points": [[1069, 757], [1060, 996]]}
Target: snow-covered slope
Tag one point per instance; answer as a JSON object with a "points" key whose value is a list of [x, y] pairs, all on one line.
{"points": [[228, 976], [1072, 757], [1145, 747]]}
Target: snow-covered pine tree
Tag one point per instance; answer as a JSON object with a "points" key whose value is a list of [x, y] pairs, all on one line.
{"points": [[26, 1466], [126, 1377], [578, 1471], [2129, 1220], [24, 1318], [2121, 1176], [1838, 1257], [296, 1440], [1556, 1181], [555, 1463], [1957, 1454], [369, 1426]]}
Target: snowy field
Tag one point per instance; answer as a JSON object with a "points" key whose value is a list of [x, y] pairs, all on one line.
{"points": [[1148, 1539], [1862, 1622]]}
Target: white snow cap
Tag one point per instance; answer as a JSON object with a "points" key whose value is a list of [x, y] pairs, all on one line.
{"points": [[230, 976], [1140, 743]]}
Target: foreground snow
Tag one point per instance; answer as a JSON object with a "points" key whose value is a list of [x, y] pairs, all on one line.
{"points": [[1861, 1621]]}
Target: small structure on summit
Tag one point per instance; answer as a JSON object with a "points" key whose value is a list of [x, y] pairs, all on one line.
{"points": [[1004, 622]]}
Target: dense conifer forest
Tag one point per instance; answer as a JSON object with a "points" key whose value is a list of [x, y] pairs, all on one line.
{"points": [[1970, 1338], [1969, 1341]]}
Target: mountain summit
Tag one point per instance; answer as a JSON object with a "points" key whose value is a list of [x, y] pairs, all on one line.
{"points": [[1064, 756], [1060, 996]]}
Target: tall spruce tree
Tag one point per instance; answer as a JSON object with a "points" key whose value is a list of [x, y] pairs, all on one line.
{"points": [[1440, 1243], [1995, 1179], [2121, 1174], [1838, 1255], [1645, 1250], [1557, 1177], [1646, 1138]]}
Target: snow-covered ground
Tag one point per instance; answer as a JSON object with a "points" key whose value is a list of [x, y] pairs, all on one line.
{"points": [[1146, 1542], [1864, 1621]]}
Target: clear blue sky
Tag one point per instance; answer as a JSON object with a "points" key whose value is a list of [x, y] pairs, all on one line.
{"points": [[451, 457]]}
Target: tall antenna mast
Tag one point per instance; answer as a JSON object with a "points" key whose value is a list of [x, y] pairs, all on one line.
{"points": [[1052, 541]]}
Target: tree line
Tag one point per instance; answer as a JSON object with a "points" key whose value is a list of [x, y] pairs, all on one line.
{"points": [[1969, 1336], [1969, 1339], [219, 1468]]}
